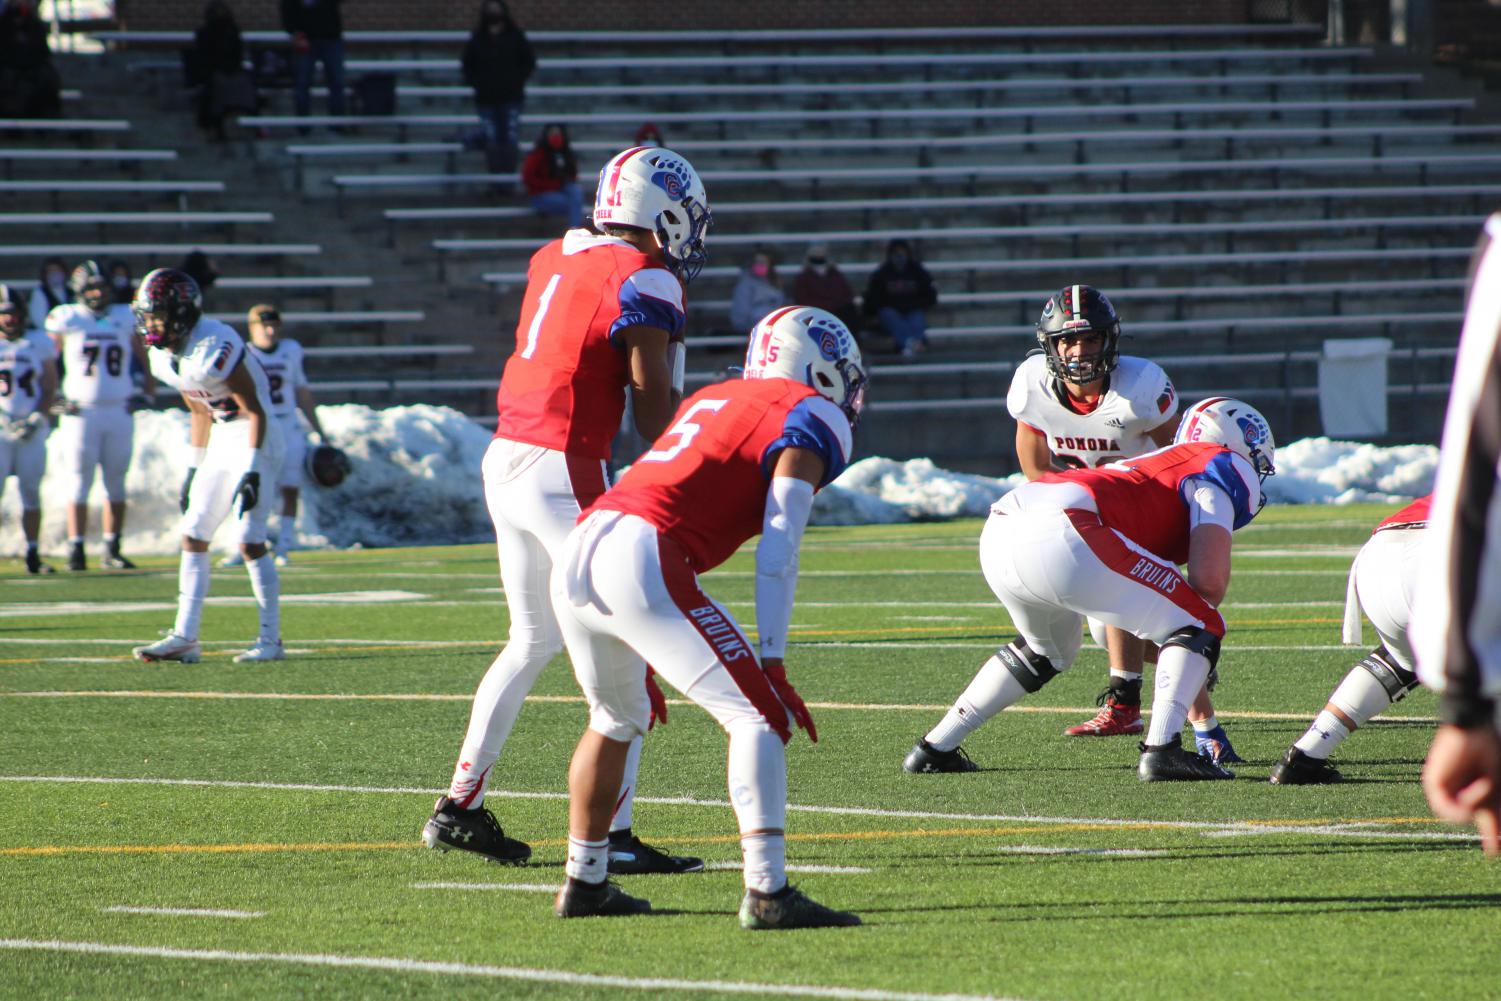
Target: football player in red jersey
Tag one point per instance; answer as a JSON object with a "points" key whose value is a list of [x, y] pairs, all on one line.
{"points": [[742, 458], [603, 316], [1078, 403], [1383, 579], [1104, 543]]}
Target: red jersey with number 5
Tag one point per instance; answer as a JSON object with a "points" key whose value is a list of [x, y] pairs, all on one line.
{"points": [[564, 387], [704, 481]]}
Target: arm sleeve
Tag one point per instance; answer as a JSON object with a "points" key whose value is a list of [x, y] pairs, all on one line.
{"points": [[789, 501], [651, 298]]}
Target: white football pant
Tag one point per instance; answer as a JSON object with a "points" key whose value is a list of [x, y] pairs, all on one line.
{"points": [[27, 462], [1382, 580], [213, 496], [98, 437]]}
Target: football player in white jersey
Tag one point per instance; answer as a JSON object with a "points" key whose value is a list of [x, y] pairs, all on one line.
{"points": [[96, 341], [28, 384], [281, 357], [1079, 403], [235, 446]]}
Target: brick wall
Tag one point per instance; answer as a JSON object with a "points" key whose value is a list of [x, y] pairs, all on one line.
{"points": [[637, 14]]}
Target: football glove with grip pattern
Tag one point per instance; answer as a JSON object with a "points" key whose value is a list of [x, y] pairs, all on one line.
{"points": [[776, 673]]}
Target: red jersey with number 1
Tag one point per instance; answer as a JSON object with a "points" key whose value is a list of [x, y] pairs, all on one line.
{"points": [[704, 481], [564, 387]]}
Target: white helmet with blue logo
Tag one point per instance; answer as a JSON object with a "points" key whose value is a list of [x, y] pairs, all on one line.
{"points": [[1236, 425], [811, 346], [657, 190]]}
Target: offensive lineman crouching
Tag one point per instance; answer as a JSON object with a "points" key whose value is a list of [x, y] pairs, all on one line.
{"points": [[1103, 543], [743, 457]]}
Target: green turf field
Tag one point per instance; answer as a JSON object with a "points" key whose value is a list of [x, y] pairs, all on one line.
{"points": [[249, 832]]}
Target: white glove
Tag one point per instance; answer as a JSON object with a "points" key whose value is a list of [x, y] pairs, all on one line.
{"points": [[29, 426]]}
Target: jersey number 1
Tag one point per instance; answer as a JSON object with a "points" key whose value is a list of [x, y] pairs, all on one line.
{"points": [[543, 302]]}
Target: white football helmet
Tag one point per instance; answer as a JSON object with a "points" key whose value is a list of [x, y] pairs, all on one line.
{"points": [[1236, 425], [657, 190], [811, 346]]}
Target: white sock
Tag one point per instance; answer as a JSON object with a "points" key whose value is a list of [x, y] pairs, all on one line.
{"points": [[266, 584], [765, 861], [1180, 675], [1125, 675], [622, 819], [588, 860], [993, 689], [470, 780], [286, 533], [497, 703], [192, 588], [758, 778], [1205, 725], [111, 541], [1327, 733], [75, 540]]}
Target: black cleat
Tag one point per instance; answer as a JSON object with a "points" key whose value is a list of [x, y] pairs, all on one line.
{"points": [[790, 908], [34, 564], [630, 856], [1171, 763], [112, 560], [76, 560], [474, 831], [578, 899], [924, 757], [1298, 769]]}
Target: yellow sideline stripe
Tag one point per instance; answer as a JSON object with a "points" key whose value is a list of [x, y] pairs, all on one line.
{"points": [[575, 699], [879, 835]]}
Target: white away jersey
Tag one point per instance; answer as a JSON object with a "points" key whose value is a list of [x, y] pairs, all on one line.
{"points": [[95, 352], [283, 365], [1138, 397], [201, 371], [21, 363]]}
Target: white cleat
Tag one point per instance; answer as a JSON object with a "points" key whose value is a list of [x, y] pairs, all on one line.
{"points": [[234, 559], [282, 559], [173, 647], [264, 650]]}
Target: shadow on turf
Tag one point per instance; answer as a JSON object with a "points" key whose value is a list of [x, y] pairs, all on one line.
{"points": [[1237, 907]]}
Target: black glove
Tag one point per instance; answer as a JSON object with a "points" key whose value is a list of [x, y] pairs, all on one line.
{"points": [[249, 492], [187, 485]]}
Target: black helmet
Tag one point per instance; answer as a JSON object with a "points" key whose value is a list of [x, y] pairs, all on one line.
{"points": [[1075, 309], [13, 303], [173, 294], [86, 278], [327, 466]]}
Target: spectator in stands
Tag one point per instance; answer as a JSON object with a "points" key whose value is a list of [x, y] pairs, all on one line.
{"points": [[551, 175], [899, 295], [820, 283], [757, 292], [498, 60], [29, 84], [122, 283], [51, 291], [649, 135], [218, 68], [317, 33], [199, 267]]}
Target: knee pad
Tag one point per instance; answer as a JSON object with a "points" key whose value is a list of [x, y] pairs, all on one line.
{"points": [[1395, 678], [1198, 640], [1031, 669]]}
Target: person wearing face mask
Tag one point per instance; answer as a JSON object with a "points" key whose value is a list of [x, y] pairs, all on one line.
{"points": [[820, 283], [51, 291], [899, 295], [121, 282], [497, 62], [649, 135], [757, 292], [551, 174]]}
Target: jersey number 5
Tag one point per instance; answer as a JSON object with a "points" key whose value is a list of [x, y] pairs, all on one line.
{"points": [[685, 430]]}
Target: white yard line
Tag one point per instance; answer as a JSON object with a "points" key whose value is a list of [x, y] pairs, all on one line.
{"points": [[401, 964], [1120, 852], [188, 912], [1362, 828], [824, 869], [523, 887]]}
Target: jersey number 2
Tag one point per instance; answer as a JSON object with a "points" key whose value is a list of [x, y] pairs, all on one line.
{"points": [[685, 430]]}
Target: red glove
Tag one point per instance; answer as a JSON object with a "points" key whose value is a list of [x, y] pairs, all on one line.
{"points": [[776, 673], [658, 700]]}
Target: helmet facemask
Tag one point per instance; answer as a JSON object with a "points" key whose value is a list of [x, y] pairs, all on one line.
{"points": [[167, 306], [811, 346], [657, 190]]}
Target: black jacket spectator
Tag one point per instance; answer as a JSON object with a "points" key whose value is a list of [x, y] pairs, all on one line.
{"points": [[29, 85], [319, 20], [217, 45], [497, 64], [900, 282]]}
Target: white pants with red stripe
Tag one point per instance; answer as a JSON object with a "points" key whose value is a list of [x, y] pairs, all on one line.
{"points": [[623, 593], [1383, 576], [1051, 562], [534, 495]]}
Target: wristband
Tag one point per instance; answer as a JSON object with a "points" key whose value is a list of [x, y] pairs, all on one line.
{"points": [[1466, 712], [196, 454], [677, 360], [255, 461]]}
